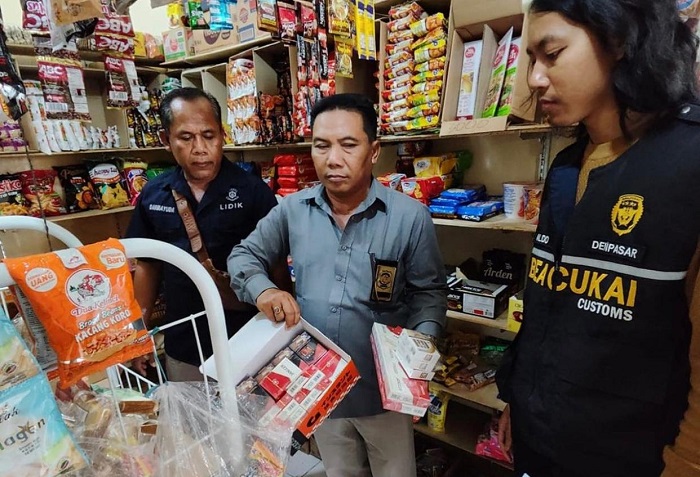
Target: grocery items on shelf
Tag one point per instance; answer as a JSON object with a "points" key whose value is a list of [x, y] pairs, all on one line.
{"points": [[291, 173]]}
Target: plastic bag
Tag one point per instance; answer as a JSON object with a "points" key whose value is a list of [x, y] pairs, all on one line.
{"points": [[12, 202], [194, 436], [39, 188], [84, 297], [17, 363]]}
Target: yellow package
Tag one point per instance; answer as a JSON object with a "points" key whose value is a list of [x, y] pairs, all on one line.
{"points": [[434, 165], [427, 109], [437, 412], [424, 98], [360, 35], [343, 53], [370, 31]]}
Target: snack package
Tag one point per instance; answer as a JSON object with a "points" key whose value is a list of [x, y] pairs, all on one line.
{"points": [[401, 24], [392, 180], [39, 188], [399, 82], [398, 93], [339, 17], [395, 105], [505, 104], [394, 116], [287, 15], [434, 64], [434, 166], [109, 184], [407, 9], [434, 85], [428, 24], [431, 96], [195, 14], [430, 75], [12, 202], [437, 411], [36, 440], [423, 188], [17, 363], [401, 69], [498, 74], [135, 177], [488, 445], [434, 49], [71, 11], [79, 192], [422, 110], [343, 52], [404, 46], [221, 18], [470, 76], [84, 297], [438, 34], [399, 36]]}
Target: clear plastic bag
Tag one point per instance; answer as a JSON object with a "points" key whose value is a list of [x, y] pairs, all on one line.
{"points": [[198, 437]]}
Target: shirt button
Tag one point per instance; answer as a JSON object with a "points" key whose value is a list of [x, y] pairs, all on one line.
{"points": [[333, 309], [345, 247], [339, 278], [685, 110]]}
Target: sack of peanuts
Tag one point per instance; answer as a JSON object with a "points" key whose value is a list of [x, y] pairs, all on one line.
{"points": [[84, 297]]}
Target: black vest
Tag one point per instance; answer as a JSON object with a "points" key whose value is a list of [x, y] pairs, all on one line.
{"points": [[598, 376]]}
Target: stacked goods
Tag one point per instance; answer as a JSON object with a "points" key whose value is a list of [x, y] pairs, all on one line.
{"points": [[294, 172], [143, 122], [276, 110], [399, 64], [241, 100], [499, 96]]}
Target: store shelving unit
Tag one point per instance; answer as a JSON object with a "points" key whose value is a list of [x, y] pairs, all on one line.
{"points": [[499, 323]]}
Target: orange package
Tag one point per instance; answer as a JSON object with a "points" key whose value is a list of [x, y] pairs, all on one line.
{"points": [[84, 297]]}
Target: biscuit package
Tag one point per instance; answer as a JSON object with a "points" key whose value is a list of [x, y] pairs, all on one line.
{"points": [[12, 202], [84, 297]]}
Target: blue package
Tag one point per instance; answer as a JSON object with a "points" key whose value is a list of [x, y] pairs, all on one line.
{"points": [[441, 202], [466, 193], [479, 211], [246, 166], [443, 210]]}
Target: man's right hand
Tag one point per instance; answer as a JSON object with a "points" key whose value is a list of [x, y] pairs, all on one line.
{"points": [[505, 439], [278, 306]]}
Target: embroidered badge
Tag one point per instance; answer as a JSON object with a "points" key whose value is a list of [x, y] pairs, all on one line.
{"points": [[627, 213]]}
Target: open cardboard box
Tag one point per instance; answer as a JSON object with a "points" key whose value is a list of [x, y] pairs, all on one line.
{"points": [[260, 340], [474, 20]]}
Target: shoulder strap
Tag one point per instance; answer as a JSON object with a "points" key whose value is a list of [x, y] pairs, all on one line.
{"points": [[196, 242]]}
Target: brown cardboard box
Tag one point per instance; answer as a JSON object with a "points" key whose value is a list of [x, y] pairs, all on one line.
{"points": [[175, 43], [208, 40], [247, 21], [488, 20]]}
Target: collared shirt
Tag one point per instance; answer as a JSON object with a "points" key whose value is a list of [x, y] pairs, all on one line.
{"points": [[334, 275], [231, 207]]}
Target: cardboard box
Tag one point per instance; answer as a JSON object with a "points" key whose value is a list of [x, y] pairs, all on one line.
{"points": [[416, 374], [208, 40], [515, 312], [416, 351], [260, 340], [399, 392], [175, 43], [475, 20], [246, 20], [487, 300]]}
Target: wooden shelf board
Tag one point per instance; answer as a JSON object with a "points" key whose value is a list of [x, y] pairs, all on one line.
{"points": [[501, 322], [220, 54], [500, 222], [462, 430], [87, 152], [261, 147], [483, 399], [510, 130], [85, 55], [90, 213]]}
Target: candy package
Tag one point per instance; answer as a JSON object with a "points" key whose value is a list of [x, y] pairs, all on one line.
{"points": [[36, 442], [79, 192], [39, 188], [397, 47], [109, 184], [12, 202], [407, 9], [84, 297]]}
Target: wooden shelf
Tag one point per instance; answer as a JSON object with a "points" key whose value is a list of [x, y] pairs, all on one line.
{"points": [[35, 153], [94, 68], [500, 323], [90, 213], [221, 54], [462, 430], [85, 55], [268, 147], [500, 222], [483, 399], [524, 129]]}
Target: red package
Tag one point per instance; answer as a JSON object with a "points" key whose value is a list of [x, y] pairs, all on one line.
{"points": [[295, 182], [292, 159], [113, 24], [299, 170], [39, 188], [423, 188], [288, 21], [286, 192], [488, 445]]}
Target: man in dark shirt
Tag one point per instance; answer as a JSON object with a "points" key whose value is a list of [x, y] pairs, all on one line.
{"points": [[227, 203]]}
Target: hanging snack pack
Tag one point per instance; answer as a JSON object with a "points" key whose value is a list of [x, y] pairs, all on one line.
{"points": [[79, 192], [135, 175], [12, 93], [17, 363], [64, 89], [39, 188], [12, 202], [84, 297], [109, 184], [221, 18], [122, 82]]}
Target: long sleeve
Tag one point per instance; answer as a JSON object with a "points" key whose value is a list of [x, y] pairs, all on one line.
{"points": [[251, 261], [683, 457], [426, 289]]}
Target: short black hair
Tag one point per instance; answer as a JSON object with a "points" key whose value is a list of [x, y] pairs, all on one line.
{"points": [[186, 94], [357, 103], [656, 74]]}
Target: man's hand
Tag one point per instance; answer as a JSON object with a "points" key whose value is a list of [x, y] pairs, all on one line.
{"points": [[279, 305], [141, 364], [505, 439]]}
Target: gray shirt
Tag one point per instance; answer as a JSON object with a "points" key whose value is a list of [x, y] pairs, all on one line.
{"points": [[333, 270]]}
